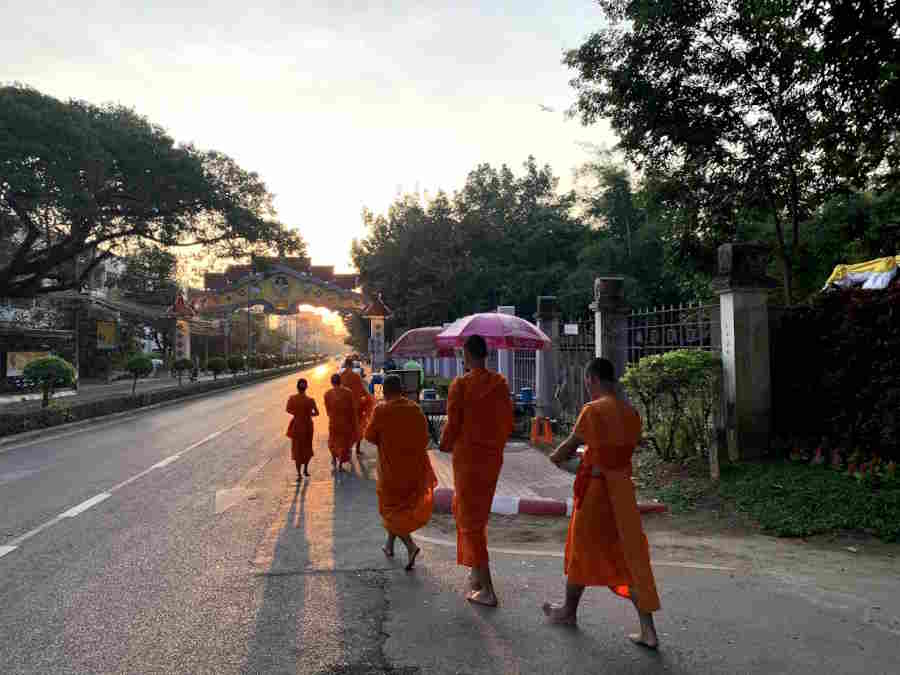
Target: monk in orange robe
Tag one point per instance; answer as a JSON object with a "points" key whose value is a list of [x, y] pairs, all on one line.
{"points": [[365, 402], [343, 422], [300, 431], [606, 545], [479, 422], [406, 479]]}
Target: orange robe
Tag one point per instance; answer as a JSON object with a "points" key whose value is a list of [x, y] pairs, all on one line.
{"points": [[479, 422], [406, 479], [365, 403], [343, 427], [300, 430], [606, 545]]}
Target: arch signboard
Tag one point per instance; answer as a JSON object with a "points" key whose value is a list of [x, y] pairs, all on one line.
{"points": [[280, 290]]}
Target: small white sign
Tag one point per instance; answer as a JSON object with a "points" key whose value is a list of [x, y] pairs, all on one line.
{"points": [[570, 329]]}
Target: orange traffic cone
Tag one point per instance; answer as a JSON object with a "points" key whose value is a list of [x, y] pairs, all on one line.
{"points": [[548, 432], [534, 430]]}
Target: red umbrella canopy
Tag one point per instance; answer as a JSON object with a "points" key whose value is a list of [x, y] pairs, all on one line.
{"points": [[500, 331], [419, 342]]}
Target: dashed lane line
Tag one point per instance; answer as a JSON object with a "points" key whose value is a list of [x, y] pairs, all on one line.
{"points": [[78, 509]]}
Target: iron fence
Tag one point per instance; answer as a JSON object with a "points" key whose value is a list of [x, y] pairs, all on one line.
{"points": [[524, 370], [576, 348], [665, 329]]}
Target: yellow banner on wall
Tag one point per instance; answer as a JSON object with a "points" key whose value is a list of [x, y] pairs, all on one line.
{"points": [[107, 334]]}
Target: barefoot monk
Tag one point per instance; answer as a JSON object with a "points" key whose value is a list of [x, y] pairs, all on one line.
{"points": [[343, 421], [303, 408], [479, 422], [364, 401], [606, 545], [406, 479]]}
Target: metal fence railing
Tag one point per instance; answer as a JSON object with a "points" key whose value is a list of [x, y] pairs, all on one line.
{"points": [[524, 370], [665, 329]]}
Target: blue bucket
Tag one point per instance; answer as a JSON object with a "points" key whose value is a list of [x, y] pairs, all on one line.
{"points": [[429, 394]]}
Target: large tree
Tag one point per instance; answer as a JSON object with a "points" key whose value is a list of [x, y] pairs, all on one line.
{"points": [[771, 106], [501, 239], [78, 180]]}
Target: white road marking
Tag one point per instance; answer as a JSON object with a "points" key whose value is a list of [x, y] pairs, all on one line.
{"points": [[93, 501], [166, 461], [85, 505], [559, 554]]}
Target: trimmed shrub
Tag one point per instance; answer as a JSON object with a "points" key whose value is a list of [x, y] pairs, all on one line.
{"points": [[182, 366], [677, 393], [50, 373], [139, 365], [235, 364], [216, 365]]}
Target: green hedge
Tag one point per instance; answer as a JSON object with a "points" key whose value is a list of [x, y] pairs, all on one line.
{"points": [[677, 394], [835, 365]]}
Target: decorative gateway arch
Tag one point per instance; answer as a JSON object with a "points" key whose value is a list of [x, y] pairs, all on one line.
{"points": [[279, 285], [280, 289]]}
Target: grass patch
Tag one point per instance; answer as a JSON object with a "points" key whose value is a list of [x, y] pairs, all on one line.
{"points": [[684, 495], [797, 500]]}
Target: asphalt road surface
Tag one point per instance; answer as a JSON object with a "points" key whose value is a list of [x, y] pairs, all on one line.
{"points": [[177, 541]]}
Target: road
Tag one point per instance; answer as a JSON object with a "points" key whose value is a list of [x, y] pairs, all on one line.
{"points": [[177, 541]]}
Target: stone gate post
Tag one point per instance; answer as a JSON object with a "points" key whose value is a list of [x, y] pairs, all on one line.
{"points": [[611, 321], [743, 288], [546, 362], [504, 356]]}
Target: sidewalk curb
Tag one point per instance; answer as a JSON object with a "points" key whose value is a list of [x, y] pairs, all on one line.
{"points": [[510, 506], [27, 437]]}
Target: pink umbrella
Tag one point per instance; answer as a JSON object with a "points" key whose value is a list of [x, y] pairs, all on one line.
{"points": [[500, 331], [418, 342]]}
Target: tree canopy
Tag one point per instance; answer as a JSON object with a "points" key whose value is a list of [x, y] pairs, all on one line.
{"points": [[78, 180], [761, 109], [501, 239]]}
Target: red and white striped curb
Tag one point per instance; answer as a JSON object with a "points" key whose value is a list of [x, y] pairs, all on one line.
{"points": [[510, 506]]}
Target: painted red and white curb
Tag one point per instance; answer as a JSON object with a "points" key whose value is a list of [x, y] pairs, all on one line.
{"points": [[510, 506]]}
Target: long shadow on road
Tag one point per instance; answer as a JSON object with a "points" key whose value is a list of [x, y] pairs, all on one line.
{"points": [[274, 647]]}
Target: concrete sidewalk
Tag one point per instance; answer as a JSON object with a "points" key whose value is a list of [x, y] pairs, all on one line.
{"points": [[529, 484]]}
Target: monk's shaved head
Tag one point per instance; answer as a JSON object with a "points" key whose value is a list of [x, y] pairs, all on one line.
{"points": [[601, 370], [476, 347], [335, 379], [392, 386]]}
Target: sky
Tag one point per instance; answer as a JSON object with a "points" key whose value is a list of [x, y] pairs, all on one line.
{"points": [[337, 105]]}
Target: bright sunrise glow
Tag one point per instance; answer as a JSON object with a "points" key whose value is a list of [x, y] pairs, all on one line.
{"points": [[335, 107]]}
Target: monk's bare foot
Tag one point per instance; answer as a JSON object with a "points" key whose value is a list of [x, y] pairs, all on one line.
{"points": [[412, 559], [306, 474], [388, 552], [482, 597], [559, 614], [648, 641], [474, 583]]}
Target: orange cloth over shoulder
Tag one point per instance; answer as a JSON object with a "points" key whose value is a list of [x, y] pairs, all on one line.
{"points": [[300, 430], [365, 403], [606, 545], [406, 479], [343, 425], [479, 422]]}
